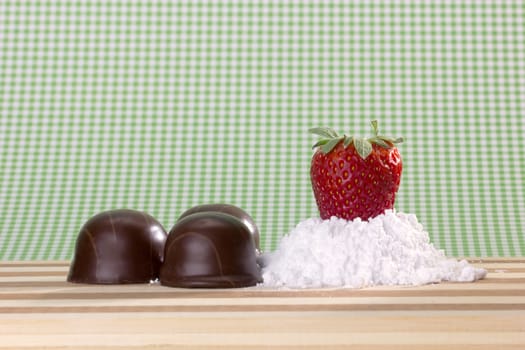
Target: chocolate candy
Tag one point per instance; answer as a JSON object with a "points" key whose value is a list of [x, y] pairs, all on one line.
{"points": [[232, 210], [117, 247], [210, 250]]}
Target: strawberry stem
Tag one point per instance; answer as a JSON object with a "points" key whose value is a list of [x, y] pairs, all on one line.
{"points": [[375, 127]]}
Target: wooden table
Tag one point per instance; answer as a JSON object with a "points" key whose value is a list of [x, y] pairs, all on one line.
{"points": [[38, 309]]}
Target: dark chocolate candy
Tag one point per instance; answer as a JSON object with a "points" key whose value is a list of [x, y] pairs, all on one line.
{"points": [[117, 247], [232, 210], [210, 250]]}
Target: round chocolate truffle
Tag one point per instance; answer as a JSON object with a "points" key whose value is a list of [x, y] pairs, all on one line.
{"points": [[210, 250], [232, 210], [117, 247]]}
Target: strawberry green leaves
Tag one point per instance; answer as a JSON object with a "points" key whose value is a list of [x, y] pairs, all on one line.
{"points": [[348, 140], [324, 132], [330, 140], [383, 141], [330, 145], [364, 147]]}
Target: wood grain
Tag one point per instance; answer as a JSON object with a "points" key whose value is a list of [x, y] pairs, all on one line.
{"points": [[39, 309]]}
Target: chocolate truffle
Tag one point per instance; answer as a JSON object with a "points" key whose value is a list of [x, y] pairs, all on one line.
{"points": [[210, 250], [232, 210], [117, 247]]}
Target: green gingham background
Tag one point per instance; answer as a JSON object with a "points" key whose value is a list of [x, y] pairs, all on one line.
{"points": [[159, 106]]}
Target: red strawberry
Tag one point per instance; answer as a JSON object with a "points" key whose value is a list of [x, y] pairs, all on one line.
{"points": [[355, 177]]}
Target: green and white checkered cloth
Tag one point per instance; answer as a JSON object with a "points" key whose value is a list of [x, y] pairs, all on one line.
{"points": [[160, 105]]}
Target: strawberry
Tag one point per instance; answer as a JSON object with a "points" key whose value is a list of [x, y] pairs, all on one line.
{"points": [[355, 177]]}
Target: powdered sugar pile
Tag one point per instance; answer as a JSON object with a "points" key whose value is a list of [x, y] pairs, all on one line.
{"points": [[390, 249]]}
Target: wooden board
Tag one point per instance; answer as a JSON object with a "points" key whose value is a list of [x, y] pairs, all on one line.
{"points": [[38, 309]]}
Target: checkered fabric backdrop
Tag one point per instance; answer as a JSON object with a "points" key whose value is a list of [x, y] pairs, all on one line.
{"points": [[159, 106]]}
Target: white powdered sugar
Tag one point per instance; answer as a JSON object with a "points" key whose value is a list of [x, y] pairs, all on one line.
{"points": [[390, 249]]}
